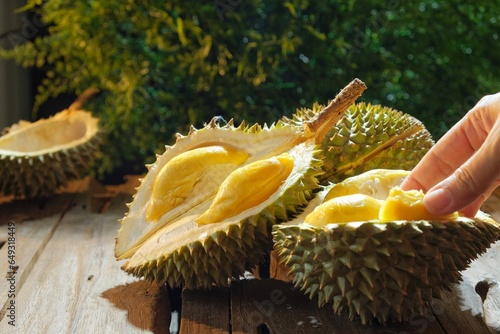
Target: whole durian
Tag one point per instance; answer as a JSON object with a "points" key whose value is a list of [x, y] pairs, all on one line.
{"points": [[37, 159], [367, 137], [203, 213], [368, 248]]}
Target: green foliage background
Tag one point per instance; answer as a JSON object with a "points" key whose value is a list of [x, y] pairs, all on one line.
{"points": [[162, 66]]}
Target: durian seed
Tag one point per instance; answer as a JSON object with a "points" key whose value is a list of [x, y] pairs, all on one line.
{"points": [[178, 177], [246, 187]]}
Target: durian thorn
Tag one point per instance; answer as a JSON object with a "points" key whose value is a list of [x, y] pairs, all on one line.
{"points": [[82, 98], [213, 123], [192, 129], [364, 159], [319, 126]]}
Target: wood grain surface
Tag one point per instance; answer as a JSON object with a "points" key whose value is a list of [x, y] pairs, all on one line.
{"points": [[68, 281]]}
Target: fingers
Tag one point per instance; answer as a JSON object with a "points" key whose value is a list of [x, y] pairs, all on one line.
{"points": [[463, 167], [467, 187], [456, 146], [449, 153]]}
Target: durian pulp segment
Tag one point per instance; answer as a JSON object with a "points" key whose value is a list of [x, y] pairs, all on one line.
{"points": [[376, 183], [177, 179], [344, 209], [359, 199], [247, 187], [408, 205]]}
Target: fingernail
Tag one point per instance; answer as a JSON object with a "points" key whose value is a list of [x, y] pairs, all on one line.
{"points": [[437, 201]]}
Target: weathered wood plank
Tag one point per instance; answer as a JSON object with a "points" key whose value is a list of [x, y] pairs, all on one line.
{"points": [[484, 274], [24, 210], [453, 319], [205, 311], [64, 291], [27, 241], [147, 304], [283, 309]]}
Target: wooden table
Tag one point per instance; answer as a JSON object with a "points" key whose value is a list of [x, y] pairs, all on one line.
{"points": [[65, 279]]}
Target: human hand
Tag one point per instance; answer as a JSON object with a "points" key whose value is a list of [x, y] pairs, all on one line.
{"points": [[463, 168]]}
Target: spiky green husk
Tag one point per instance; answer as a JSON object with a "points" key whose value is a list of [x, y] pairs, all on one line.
{"points": [[214, 260], [42, 173], [367, 137], [382, 271], [214, 255]]}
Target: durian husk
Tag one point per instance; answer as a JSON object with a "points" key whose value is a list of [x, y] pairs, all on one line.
{"points": [[381, 271], [37, 159], [185, 254], [259, 142], [366, 137]]}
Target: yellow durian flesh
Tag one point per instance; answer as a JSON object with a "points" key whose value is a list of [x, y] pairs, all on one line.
{"points": [[372, 196], [408, 205], [177, 179], [344, 209], [376, 183], [247, 187]]}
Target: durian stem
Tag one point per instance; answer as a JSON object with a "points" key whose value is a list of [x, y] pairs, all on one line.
{"points": [[82, 98], [319, 126]]}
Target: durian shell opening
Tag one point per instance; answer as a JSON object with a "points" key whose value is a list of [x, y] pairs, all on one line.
{"points": [[65, 130], [258, 142]]}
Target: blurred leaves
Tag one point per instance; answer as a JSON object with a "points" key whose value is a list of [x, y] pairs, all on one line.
{"points": [[164, 65]]}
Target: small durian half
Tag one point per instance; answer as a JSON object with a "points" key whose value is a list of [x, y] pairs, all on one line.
{"points": [[38, 158]]}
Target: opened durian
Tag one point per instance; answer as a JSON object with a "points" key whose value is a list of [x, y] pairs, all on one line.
{"points": [[372, 250], [37, 159], [203, 213], [367, 137]]}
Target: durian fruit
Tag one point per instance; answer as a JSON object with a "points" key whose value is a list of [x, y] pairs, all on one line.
{"points": [[375, 252], [203, 213], [367, 137], [37, 159]]}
